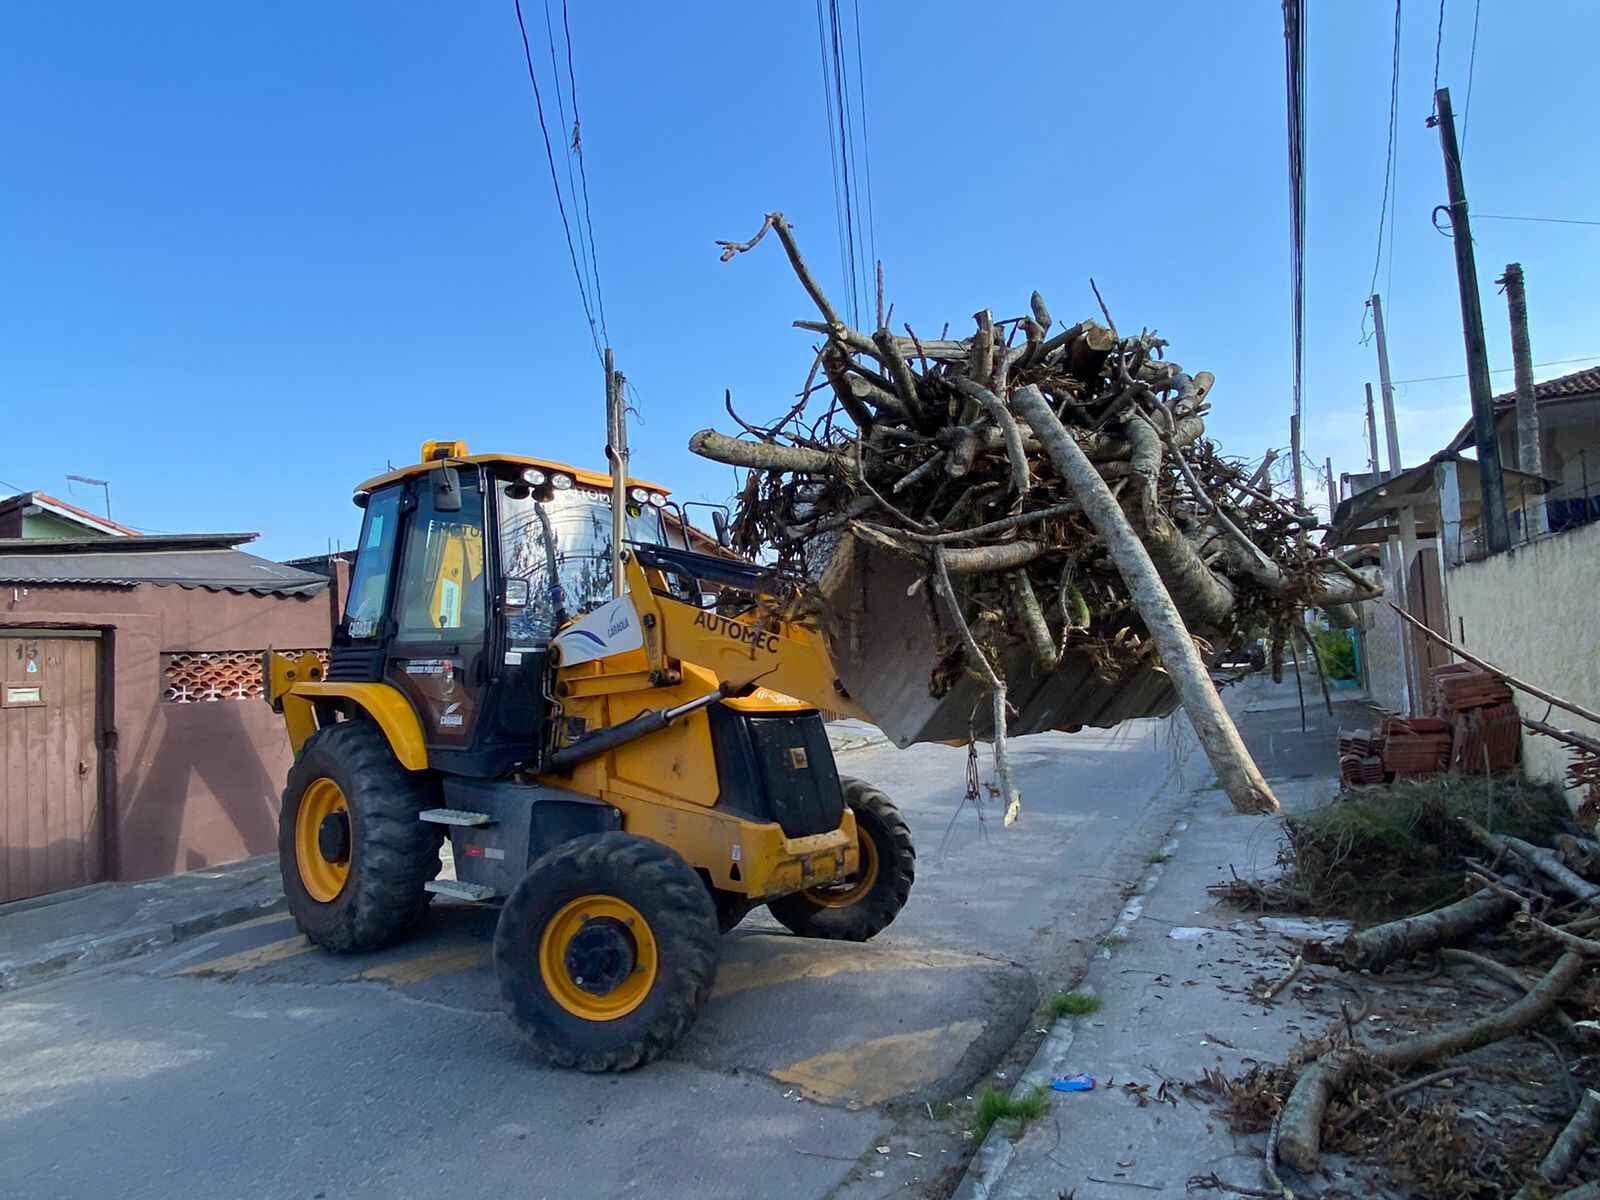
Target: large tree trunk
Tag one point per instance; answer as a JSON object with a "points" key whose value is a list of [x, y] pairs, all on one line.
{"points": [[1240, 777], [1383, 944]]}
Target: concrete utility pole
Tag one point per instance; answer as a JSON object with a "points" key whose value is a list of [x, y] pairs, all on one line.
{"points": [[1528, 453], [1333, 492], [1492, 481], [1372, 436], [1294, 449], [617, 455], [1403, 550]]}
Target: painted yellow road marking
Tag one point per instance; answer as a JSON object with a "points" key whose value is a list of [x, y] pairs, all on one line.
{"points": [[249, 960], [880, 1069], [426, 966], [823, 960]]}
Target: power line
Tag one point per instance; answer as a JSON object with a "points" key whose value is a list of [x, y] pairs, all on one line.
{"points": [[576, 146], [1554, 362], [1438, 44], [549, 154], [1294, 33], [1472, 62], [1542, 220], [1389, 156], [833, 144], [866, 146], [842, 96], [561, 110]]}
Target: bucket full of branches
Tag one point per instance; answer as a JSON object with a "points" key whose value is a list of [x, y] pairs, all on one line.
{"points": [[1021, 529]]}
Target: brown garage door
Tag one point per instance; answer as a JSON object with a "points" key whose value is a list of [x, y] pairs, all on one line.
{"points": [[49, 764]]}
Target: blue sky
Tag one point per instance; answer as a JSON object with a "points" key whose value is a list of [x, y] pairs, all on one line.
{"points": [[253, 253]]}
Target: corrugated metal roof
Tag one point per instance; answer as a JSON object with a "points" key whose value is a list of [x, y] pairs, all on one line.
{"points": [[193, 561]]}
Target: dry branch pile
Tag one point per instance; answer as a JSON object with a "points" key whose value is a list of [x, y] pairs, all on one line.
{"points": [[1530, 907], [1054, 484]]}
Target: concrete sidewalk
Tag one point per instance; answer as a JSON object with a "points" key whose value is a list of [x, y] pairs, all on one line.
{"points": [[1175, 978], [72, 931]]}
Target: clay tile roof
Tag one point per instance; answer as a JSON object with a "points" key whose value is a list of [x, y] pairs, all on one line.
{"points": [[62, 508], [1579, 383]]}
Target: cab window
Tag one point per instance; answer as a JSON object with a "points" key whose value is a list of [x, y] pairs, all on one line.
{"points": [[442, 584], [369, 579]]}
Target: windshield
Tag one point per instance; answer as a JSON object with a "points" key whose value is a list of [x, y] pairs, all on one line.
{"points": [[562, 547]]}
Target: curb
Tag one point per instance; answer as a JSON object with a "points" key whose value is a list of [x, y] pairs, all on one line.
{"points": [[986, 1169], [71, 956]]}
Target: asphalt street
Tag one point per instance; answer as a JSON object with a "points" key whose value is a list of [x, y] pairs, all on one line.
{"points": [[249, 1064]]}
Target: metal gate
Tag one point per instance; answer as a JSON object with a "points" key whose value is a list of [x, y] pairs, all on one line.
{"points": [[51, 832]]}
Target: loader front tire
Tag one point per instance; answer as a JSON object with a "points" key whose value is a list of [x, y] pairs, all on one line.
{"points": [[862, 908], [352, 853], [606, 951]]}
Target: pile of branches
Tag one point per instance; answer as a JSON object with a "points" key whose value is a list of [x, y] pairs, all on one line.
{"points": [[1010, 461], [1532, 906]]}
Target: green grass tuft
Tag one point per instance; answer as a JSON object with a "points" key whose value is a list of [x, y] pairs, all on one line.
{"points": [[1071, 1004], [1157, 857], [996, 1105]]}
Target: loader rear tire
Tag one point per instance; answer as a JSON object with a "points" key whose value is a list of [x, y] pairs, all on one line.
{"points": [[857, 911], [352, 853], [606, 951]]}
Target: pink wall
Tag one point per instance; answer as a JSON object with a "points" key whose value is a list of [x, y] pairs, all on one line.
{"points": [[184, 785]]}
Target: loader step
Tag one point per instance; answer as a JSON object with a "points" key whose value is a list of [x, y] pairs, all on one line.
{"points": [[454, 816], [457, 890]]}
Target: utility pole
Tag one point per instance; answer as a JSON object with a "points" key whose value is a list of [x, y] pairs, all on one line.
{"points": [[1490, 478], [1401, 554], [1294, 449], [1333, 493], [617, 455], [1528, 454], [1372, 438]]}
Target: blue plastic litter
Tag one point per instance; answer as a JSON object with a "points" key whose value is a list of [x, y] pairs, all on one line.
{"points": [[1073, 1083]]}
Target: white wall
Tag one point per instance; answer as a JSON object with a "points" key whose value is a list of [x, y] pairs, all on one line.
{"points": [[1534, 611]]}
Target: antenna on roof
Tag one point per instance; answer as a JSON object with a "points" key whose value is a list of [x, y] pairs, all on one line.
{"points": [[103, 484]]}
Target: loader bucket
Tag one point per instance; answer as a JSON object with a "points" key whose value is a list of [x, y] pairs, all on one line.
{"points": [[884, 633]]}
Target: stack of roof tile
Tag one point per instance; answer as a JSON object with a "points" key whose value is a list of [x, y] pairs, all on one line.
{"points": [[1414, 748], [1486, 731], [1360, 758]]}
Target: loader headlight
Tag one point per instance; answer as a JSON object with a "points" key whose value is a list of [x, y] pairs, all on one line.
{"points": [[561, 483], [638, 495], [657, 499], [533, 476]]}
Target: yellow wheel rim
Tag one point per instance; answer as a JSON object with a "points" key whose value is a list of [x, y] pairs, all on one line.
{"points": [[843, 895], [323, 877], [598, 958]]}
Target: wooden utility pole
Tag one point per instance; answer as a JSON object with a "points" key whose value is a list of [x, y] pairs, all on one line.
{"points": [[617, 455], [1492, 482], [1373, 464], [1404, 549], [1528, 454]]}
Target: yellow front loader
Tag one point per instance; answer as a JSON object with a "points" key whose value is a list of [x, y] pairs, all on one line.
{"points": [[626, 775]]}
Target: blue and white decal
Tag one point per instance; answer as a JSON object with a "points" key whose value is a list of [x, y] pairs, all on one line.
{"points": [[613, 628]]}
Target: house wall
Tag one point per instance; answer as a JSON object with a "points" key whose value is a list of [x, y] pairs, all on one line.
{"points": [[1531, 611], [184, 785], [48, 525]]}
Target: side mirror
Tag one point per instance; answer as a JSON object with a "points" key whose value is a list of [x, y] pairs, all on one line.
{"points": [[515, 594], [446, 482], [719, 522]]}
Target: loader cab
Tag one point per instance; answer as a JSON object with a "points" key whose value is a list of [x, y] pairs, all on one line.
{"points": [[466, 568]]}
